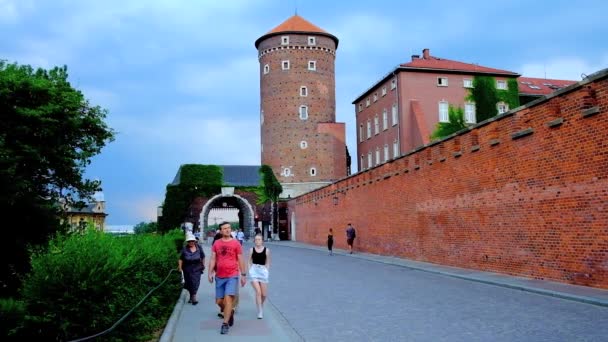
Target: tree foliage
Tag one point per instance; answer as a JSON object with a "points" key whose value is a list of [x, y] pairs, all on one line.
{"points": [[456, 123], [145, 227], [269, 190], [48, 134]]}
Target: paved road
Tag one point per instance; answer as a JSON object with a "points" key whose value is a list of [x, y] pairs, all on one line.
{"points": [[343, 298]]}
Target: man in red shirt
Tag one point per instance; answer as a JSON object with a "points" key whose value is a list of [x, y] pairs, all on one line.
{"points": [[226, 261]]}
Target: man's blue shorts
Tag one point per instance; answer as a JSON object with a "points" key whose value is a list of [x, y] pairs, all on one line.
{"points": [[226, 286]]}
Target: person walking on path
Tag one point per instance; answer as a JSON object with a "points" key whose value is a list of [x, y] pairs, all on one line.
{"points": [[330, 241], [259, 266], [226, 261], [240, 236], [351, 234], [191, 264]]}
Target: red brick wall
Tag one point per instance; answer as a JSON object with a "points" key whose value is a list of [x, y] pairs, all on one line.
{"points": [[533, 206]]}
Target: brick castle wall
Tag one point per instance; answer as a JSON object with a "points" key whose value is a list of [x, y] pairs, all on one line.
{"points": [[524, 194]]}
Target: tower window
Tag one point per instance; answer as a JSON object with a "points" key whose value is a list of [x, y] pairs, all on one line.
{"points": [[285, 40], [266, 69], [262, 117], [303, 91], [285, 65], [303, 112], [383, 91], [312, 65], [286, 172], [313, 171], [303, 144], [375, 97], [312, 41]]}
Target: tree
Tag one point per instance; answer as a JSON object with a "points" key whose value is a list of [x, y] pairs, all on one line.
{"points": [[455, 124], [269, 190], [48, 134], [145, 227]]}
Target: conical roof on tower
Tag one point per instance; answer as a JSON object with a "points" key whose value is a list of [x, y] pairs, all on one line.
{"points": [[296, 24]]}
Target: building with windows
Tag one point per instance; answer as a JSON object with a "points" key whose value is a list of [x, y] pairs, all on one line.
{"points": [[399, 113], [531, 88], [93, 213], [300, 138]]}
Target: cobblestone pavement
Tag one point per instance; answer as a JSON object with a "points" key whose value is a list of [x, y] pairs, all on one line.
{"points": [[348, 298]]}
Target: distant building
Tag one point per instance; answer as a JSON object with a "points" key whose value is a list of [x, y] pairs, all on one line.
{"points": [[531, 88], [399, 112], [94, 212]]}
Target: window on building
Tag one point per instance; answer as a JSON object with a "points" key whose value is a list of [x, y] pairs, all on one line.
{"points": [[393, 83], [369, 129], [262, 147], [367, 102], [443, 112], [312, 41], [395, 148], [360, 106], [303, 144], [362, 160], [285, 40], [467, 83], [469, 112], [442, 81], [312, 65], [501, 84], [303, 112], [383, 91], [313, 171], [361, 132], [375, 97], [262, 117], [303, 91], [394, 114], [377, 155], [385, 153], [384, 120], [376, 125], [369, 159], [285, 65], [502, 107], [266, 69], [286, 172]]}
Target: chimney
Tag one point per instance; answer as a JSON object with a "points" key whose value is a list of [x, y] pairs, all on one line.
{"points": [[414, 57], [425, 54]]}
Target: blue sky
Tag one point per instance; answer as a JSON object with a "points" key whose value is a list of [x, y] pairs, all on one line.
{"points": [[180, 77]]}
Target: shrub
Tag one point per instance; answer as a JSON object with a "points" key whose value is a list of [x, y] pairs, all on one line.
{"points": [[85, 283]]}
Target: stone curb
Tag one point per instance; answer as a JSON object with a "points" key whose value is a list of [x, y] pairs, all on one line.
{"points": [[167, 335]]}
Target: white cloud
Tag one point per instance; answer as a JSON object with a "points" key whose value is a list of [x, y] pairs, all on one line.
{"points": [[564, 68]]}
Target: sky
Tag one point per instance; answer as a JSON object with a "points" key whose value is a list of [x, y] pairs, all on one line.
{"points": [[180, 78]]}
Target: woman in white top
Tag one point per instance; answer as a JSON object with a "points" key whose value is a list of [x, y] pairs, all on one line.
{"points": [[259, 265]]}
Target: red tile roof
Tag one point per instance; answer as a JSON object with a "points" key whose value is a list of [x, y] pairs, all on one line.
{"points": [[428, 62], [540, 86], [296, 24]]}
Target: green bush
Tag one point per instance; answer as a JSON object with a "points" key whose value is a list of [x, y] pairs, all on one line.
{"points": [[12, 312], [84, 283]]}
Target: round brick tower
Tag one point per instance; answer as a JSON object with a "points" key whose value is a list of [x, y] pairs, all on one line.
{"points": [[301, 140]]}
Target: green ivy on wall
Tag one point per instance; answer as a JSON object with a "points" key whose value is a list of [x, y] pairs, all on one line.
{"points": [[455, 124], [485, 96], [194, 181]]}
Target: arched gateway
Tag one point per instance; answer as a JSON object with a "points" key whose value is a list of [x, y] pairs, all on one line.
{"points": [[228, 199]]}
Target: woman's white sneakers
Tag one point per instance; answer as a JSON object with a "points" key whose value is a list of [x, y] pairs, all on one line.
{"points": [[260, 314]]}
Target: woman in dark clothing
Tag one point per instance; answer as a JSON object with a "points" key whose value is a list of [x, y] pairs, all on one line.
{"points": [[330, 241], [192, 264]]}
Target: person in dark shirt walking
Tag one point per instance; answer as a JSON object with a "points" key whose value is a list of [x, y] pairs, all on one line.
{"points": [[351, 234], [330, 241]]}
